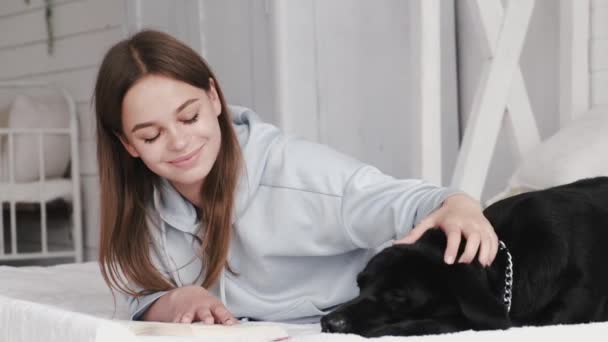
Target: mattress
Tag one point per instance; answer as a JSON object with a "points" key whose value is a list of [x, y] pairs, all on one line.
{"points": [[71, 302]]}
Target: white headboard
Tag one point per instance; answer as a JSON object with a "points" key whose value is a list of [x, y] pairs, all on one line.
{"points": [[583, 56]]}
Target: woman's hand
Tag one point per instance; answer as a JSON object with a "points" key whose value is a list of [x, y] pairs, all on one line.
{"points": [[189, 304], [460, 215]]}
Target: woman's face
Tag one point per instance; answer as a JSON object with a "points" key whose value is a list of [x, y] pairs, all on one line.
{"points": [[173, 127]]}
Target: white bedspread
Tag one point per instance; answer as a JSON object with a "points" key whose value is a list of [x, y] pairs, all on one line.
{"points": [[70, 303]]}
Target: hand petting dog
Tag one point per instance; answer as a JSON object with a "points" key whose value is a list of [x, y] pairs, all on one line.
{"points": [[460, 215]]}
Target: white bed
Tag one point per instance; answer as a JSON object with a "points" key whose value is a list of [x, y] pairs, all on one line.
{"points": [[71, 303]]}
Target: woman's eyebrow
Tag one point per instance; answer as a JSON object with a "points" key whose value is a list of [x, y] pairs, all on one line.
{"points": [[151, 123], [184, 105]]}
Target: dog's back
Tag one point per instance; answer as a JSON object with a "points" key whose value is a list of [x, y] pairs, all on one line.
{"points": [[559, 240]]}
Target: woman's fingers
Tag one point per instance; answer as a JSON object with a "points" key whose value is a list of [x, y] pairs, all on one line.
{"points": [[222, 315], [485, 249], [452, 246], [416, 232], [187, 318], [184, 317], [204, 315], [471, 248]]}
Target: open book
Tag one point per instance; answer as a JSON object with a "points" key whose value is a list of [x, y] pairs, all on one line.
{"points": [[255, 331]]}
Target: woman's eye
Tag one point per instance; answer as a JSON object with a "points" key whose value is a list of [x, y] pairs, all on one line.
{"points": [[151, 140], [192, 120]]}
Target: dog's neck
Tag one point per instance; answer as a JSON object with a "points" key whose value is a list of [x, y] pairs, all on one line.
{"points": [[498, 276], [435, 242]]}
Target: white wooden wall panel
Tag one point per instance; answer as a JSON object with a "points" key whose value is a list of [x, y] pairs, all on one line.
{"points": [[78, 82], [16, 7], [84, 30], [232, 21], [86, 120], [88, 157], [599, 22], [263, 88], [491, 99], [70, 18], [599, 55], [599, 4], [180, 18], [520, 115], [70, 53], [294, 30], [599, 52], [366, 83], [599, 88], [450, 133], [339, 72], [428, 45], [248, 76], [574, 59]]}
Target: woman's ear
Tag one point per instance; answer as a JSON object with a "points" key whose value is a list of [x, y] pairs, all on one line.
{"points": [[130, 149], [479, 305], [214, 98]]}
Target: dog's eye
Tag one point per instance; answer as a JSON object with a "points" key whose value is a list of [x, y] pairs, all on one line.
{"points": [[397, 301], [397, 294]]}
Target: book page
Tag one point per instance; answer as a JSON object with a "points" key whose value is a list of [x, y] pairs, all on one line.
{"points": [[257, 330]]}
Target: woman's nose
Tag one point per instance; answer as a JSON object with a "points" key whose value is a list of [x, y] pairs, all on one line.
{"points": [[178, 139]]}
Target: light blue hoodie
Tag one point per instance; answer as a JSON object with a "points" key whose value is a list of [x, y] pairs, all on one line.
{"points": [[306, 221]]}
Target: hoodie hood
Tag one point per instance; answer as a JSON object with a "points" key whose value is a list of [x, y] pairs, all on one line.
{"points": [[256, 139]]}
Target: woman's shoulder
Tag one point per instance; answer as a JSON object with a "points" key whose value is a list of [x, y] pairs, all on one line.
{"points": [[252, 132], [307, 165], [278, 159]]}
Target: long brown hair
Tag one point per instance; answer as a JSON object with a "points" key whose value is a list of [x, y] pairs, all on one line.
{"points": [[127, 185]]}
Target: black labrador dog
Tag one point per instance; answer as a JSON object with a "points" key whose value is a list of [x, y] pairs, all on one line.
{"points": [[552, 271]]}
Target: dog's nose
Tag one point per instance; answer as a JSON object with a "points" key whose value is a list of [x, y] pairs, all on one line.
{"points": [[334, 323]]}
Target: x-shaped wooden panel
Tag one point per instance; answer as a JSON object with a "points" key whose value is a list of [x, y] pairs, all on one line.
{"points": [[501, 87]]}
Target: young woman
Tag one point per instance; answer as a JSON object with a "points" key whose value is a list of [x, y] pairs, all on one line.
{"points": [[208, 213]]}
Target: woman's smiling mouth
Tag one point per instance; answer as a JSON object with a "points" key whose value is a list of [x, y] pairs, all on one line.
{"points": [[187, 160]]}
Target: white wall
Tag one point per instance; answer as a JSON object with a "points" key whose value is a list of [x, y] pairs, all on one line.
{"points": [[84, 30], [338, 72], [181, 18], [599, 53], [540, 67], [237, 43]]}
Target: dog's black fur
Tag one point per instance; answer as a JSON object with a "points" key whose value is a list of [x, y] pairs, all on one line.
{"points": [[558, 239]]}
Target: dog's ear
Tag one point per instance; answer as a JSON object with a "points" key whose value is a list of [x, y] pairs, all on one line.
{"points": [[478, 304]]}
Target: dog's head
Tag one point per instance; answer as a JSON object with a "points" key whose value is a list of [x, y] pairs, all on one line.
{"points": [[409, 283]]}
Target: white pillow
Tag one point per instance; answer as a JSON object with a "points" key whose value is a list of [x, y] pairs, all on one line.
{"points": [[41, 111], [578, 150]]}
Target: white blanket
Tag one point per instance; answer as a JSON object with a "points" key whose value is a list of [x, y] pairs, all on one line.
{"points": [[70, 303]]}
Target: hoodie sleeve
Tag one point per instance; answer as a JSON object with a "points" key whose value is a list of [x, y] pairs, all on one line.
{"points": [[139, 305], [377, 208]]}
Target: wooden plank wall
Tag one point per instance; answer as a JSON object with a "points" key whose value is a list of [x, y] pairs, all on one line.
{"points": [[84, 30], [598, 49]]}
